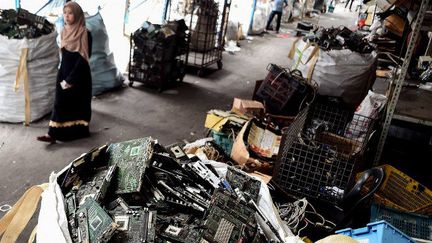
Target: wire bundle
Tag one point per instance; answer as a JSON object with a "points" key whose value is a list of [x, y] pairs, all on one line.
{"points": [[295, 213]]}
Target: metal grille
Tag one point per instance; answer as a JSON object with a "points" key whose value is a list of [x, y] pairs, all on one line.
{"points": [[319, 152]]}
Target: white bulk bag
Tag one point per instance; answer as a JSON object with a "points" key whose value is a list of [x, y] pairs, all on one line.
{"points": [[41, 63], [339, 73]]}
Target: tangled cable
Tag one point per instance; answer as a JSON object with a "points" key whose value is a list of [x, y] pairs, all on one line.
{"points": [[295, 213], [211, 153]]}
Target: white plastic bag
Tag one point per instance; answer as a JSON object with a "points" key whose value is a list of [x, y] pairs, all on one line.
{"points": [[339, 73], [259, 18], [52, 221], [366, 112], [42, 62]]}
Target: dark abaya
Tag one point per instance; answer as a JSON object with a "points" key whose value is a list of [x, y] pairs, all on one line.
{"points": [[72, 106]]}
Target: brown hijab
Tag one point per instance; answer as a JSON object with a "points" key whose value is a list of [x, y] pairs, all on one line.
{"points": [[74, 37]]}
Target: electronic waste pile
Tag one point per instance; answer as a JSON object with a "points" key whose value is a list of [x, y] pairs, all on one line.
{"points": [[23, 24], [140, 191]]}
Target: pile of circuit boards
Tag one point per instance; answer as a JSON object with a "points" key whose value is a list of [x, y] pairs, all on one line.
{"points": [[23, 24], [156, 52], [340, 38], [140, 191]]}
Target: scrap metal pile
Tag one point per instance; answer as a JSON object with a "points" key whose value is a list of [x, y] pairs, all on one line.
{"points": [[340, 38], [23, 24], [140, 191]]}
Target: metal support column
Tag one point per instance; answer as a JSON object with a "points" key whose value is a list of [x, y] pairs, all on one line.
{"points": [[400, 79], [165, 10]]}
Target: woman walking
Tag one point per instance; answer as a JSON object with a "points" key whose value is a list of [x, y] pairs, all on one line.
{"points": [[72, 106]]}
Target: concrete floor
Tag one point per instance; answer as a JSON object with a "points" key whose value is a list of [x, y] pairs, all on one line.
{"points": [[128, 113]]}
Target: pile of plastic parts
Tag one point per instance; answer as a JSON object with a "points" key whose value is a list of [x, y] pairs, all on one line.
{"points": [[23, 24], [340, 38], [141, 191]]}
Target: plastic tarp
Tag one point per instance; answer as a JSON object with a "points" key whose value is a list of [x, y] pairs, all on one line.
{"points": [[339, 73], [105, 75], [41, 63]]}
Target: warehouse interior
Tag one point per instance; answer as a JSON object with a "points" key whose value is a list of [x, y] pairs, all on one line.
{"points": [[315, 184]]}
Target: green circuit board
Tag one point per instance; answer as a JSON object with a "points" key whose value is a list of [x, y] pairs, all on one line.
{"points": [[132, 158], [93, 219]]}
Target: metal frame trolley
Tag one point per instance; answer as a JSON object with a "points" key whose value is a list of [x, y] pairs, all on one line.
{"points": [[208, 25], [158, 54]]}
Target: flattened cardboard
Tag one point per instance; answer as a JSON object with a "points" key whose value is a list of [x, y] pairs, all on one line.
{"points": [[248, 108]]}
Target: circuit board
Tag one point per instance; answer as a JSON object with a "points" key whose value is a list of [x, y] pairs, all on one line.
{"points": [[93, 219], [247, 184], [97, 185], [135, 226], [181, 228], [80, 166], [229, 220], [132, 158]]}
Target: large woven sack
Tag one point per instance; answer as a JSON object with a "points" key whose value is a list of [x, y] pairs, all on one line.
{"points": [[339, 73], [35, 60]]}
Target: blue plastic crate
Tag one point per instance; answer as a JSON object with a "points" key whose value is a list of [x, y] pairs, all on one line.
{"points": [[414, 225], [377, 232]]}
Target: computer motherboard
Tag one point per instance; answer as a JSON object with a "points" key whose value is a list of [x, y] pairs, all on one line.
{"points": [[132, 158], [94, 224], [241, 180], [229, 220]]}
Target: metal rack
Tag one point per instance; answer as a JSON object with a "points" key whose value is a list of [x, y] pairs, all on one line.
{"points": [[321, 151], [208, 25], [207, 21], [400, 79]]}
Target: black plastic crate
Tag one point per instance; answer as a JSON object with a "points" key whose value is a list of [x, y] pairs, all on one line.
{"points": [[284, 91], [320, 152]]}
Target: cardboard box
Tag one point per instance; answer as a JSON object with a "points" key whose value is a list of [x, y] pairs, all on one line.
{"points": [[268, 143], [249, 108], [395, 24], [216, 119]]}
